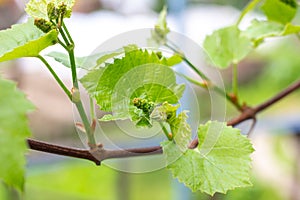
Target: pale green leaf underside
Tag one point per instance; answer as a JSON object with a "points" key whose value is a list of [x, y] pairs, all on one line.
{"points": [[38, 8], [226, 46], [87, 62], [24, 40], [14, 130], [137, 73], [93, 61], [259, 30], [221, 161]]}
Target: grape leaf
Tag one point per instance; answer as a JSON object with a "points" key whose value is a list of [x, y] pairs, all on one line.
{"points": [[138, 71], [161, 29], [220, 162], [258, 30], [14, 130], [86, 62], [282, 11], [154, 83], [38, 8], [290, 29], [24, 40], [226, 46], [90, 62]]}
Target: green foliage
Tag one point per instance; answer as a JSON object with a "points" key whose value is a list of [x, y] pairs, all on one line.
{"points": [[220, 162], [259, 30], [141, 114], [144, 72], [47, 9], [290, 29], [164, 112], [93, 61], [181, 130], [87, 62], [226, 46], [282, 11], [161, 29], [141, 85], [24, 40], [14, 130]]}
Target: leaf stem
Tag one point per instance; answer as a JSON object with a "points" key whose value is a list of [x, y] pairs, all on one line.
{"points": [[84, 118], [166, 132], [92, 108], [202, 75], [247, 9], [62, 44], [208, 84], [235, 79], [64, 37], [73, 68], [68, 33], [77, 100], [58, 80]]}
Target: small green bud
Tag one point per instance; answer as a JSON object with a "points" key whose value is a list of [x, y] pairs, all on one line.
{"points": [[52, 11], [44, 25], [137, 102], [64, 11], [143, 104]]}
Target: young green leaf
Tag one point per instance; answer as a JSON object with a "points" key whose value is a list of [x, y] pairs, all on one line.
{"points": [[14, 130], [220, 162], [87, 62], [161, 29], [96, 60], [24, 40], [137, 72], [259, 30], [39, 8], [109, 55], [290, 29], [226, 46], [180, 129], [282, 11]]}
